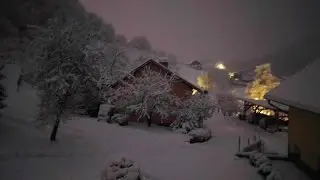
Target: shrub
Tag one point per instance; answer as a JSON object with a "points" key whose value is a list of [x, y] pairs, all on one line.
{"points": [[192, 112]]}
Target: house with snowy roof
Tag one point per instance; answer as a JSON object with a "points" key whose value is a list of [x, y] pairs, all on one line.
{"points": [[181, 88], [196, 65], [301, 93]]}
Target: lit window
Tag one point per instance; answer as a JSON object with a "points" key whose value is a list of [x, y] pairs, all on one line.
{"points": [[194, 91], [220, 66], [231, 74]]}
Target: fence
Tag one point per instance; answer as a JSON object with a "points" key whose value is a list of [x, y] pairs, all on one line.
{"points": [[246, 141]]}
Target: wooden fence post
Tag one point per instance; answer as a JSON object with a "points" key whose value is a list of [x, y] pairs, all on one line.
{"points": [[239, 143]]}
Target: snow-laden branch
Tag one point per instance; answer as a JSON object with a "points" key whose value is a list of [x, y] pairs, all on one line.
{"points": [[145, 95], [61, 60]]}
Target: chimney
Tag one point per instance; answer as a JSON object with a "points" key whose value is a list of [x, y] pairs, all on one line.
{"points": [[164, 63]]}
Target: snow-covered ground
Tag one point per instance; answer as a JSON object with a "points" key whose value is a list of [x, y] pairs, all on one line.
{"points": [[85, 145]]}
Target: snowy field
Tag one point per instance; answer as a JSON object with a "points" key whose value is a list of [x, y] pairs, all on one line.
{"points": [[85, 145]]}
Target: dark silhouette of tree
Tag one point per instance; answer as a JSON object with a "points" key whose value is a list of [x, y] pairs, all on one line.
{"points": [[140, 42], [3, 93]]}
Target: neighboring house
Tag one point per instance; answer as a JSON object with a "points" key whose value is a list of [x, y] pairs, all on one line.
{"points": [[181, 88], [301, 93], [196, 65]]}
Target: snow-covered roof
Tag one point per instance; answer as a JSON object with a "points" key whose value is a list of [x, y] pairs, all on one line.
{"points": [[166, 69], [263, 103], [300, 90], [189, 74]]}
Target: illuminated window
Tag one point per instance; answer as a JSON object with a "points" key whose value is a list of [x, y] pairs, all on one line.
{"points": [[231, 74], [194, 91], [220, 66]]}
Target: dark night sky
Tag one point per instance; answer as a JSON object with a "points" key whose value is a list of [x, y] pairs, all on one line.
{"points": [[209, 29]]}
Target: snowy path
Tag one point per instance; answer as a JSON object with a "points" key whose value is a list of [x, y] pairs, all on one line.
{"points": [[85, 145]]}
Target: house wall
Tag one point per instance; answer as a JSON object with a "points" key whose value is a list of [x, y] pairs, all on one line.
{"points": [[304, 137]]}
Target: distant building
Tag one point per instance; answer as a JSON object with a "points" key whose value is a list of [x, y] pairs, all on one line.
{"points": [[301, 93], [196, 65]]}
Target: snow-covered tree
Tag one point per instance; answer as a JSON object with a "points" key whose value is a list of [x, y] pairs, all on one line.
{"points": [[146, 95], [227, 103], [110, 64], [193, 111], [220, 80], [140, 42], [3, 93], [263, 83], [59, 64]]}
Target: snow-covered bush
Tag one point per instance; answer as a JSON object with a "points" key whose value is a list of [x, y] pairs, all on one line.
{"points": [[105, 112], [265, 168], [254, 156], [146, 95], [3, 93], [257, 159], [274, 175], [263, 159], [121, 119], [123, 169], [200, 135], [192, 111], [228, 104]]}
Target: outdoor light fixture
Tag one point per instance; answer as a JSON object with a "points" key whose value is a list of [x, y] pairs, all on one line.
{"points": [[220, 66]]}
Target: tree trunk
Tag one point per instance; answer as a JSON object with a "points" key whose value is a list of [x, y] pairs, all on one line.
{"points": [[62, 106], [55, 129], [149, 120]]}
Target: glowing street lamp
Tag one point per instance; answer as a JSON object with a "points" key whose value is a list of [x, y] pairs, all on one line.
{"points": [[220, 66]]}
